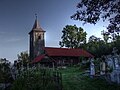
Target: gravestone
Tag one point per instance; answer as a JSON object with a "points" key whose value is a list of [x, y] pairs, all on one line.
{"points": [[110, 63], [92, 68], [115, 74], [102, 68], [103, 65]]}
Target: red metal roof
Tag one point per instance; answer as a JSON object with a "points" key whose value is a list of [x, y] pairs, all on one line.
{"points": [[67, 52], [38, 58]]}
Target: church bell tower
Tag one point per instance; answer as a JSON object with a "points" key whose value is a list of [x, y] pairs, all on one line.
{"points": [[37, 42]]}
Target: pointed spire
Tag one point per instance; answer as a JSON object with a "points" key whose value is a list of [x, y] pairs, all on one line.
{"points": [[36, 24], [36, 16]]}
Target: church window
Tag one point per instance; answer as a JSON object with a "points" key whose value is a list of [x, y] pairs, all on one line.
{"points": [[39, 37]]}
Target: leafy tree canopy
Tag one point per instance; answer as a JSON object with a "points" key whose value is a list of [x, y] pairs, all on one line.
{"points": [[5, 74], [73, 37], [23, 58], [97, 47], [93, 39], [91, 11]]}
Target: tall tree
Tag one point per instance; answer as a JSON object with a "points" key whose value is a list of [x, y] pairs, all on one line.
{"points": [[106, 36], [5, 74], [98, 47], [93, 39], [23, 58], [117, 43], [73, 37], [91, 11]]}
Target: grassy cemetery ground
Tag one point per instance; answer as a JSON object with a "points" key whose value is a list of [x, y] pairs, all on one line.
{"points": [[38, 79], [73, 79]]}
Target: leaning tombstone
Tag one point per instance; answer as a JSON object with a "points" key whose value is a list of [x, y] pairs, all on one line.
{"points": [[115, 75]]}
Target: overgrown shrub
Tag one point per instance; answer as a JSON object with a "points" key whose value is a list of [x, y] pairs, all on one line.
{"points": [[36, 80]]}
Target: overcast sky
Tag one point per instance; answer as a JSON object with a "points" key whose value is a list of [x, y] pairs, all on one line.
{"points": [[17, 18]]}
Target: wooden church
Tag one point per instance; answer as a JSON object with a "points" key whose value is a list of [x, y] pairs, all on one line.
{"points": [[60, 56]]}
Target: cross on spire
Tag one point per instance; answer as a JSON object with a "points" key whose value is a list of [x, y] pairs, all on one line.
{"points": [[36, 24]]}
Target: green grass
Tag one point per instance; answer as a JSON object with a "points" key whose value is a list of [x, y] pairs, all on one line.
{"points": [[72, 79], [36, 80]]}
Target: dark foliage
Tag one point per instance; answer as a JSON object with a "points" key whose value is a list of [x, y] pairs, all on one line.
{"points": [[38, 79], [91, 11], [73, 37], [5, 73]]}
